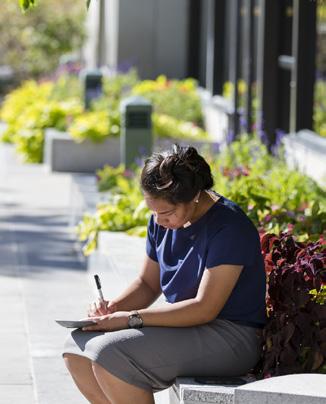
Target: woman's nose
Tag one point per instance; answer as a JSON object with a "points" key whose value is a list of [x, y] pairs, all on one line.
{"points": [[158, 219]]}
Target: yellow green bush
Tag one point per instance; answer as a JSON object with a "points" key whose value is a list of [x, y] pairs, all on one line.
{"points": [[30, 109]]}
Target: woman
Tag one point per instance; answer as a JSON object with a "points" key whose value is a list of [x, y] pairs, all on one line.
{"points": [[203, 254]]}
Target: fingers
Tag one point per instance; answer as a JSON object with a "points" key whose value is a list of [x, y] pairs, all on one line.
{"points": [[99, 308], [111, 307], [99, 326], [91, 310], [94, 327]]}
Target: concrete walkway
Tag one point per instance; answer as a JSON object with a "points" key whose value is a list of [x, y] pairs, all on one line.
{"points": [[42, 277]]}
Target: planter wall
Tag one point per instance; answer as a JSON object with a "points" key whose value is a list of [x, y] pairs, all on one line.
{"points": [[84, 197], [217, 112], [62, 153], [306, 152]]}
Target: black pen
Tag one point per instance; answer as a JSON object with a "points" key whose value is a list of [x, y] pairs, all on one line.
{"points": [[99, 287]]}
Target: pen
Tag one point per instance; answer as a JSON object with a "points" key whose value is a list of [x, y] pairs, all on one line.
{"points": [[99, 287]]}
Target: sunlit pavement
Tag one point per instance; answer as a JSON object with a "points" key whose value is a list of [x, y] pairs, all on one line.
{"points": [[42, 277]]}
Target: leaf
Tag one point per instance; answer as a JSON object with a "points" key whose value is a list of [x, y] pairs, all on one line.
{"points": [[288, 332], [315, 209], [88, 2], [323, 348], [91, 244], [318, 360], [26, 4], [288, 356]]}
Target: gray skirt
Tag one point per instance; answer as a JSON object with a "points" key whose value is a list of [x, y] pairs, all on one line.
{"points": [[152, 357]]}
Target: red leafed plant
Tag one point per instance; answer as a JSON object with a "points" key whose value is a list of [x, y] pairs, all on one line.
{"points": [[295, 335]]}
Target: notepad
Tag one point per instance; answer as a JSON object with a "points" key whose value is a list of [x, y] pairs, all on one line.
{"points": [[75, 323]]}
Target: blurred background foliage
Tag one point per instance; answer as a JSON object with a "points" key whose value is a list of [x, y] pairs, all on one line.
{"points": [[32, 43]]}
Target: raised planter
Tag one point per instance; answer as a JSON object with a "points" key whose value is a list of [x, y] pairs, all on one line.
{"points": [[306, 152], [84, 196], [217, 112], [62, 153]]}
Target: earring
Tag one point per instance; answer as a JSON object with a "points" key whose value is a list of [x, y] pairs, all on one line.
{"points": [[197, 200]]}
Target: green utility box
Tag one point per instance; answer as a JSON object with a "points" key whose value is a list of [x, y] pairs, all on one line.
{"points": [[92, 85], [136, 129]]}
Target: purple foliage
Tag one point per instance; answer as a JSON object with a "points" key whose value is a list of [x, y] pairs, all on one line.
{"points": [[295, 336]]}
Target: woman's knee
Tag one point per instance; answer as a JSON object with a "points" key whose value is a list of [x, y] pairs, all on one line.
{"points": [[99, 371], [76, 362]]}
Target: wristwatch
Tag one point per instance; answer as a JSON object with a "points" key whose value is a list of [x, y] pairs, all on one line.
{"points": [[134, 320]]}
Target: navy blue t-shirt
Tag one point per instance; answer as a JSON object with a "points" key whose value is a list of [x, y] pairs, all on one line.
{"points": [[223, 235]]}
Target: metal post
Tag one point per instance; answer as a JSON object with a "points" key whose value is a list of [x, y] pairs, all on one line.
{"points": [[248, 61], [210, 46], [136, 129], [234, 65], [194, 31], [303, 72], [92, 85], [267, 68], [219, 46], [101, 39]]}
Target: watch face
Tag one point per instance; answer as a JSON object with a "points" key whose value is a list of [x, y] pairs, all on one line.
{"points": [[135, 321]]}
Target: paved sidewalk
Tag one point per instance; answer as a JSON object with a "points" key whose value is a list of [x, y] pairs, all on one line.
{"points": [[42, 277]]}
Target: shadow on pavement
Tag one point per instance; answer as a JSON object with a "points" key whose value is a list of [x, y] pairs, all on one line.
{"points": [[41, 242]]}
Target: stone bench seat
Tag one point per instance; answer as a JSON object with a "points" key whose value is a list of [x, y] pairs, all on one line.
{"points": [[289, 389], [188, 390]]}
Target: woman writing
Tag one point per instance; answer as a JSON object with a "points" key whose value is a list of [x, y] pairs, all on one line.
{"points": [[203, 254]]}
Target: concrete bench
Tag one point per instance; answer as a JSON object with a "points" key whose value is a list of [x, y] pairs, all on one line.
{"points": [[289, 389], [187, 390]]}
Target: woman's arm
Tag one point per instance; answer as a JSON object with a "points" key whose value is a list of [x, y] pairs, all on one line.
{"points": [[215, 288], [143, 291]]}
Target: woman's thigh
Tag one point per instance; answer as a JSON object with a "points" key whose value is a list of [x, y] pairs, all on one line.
{"points": [[152, 357]]}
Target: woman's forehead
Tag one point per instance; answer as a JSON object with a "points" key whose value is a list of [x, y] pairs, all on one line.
{"points": [[158, 204]]}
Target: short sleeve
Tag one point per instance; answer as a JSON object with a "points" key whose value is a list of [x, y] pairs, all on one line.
{"points": [[232, 245], [150, 240]]}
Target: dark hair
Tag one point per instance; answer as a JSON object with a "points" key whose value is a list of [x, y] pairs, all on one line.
{"points": [[176, 175]]}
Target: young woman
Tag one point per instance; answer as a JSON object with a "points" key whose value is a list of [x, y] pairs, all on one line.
{"points": [[203, 254]]}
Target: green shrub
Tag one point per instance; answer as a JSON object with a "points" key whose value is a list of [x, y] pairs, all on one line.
{"points": [[176, 98], [108, 177], [95, 126], [30, 109], [274, 197], [271, 194], [167, 126], [33, 43], [124, 210]]}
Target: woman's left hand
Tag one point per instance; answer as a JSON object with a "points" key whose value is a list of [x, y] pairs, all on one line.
{"points": [[110, 322]]}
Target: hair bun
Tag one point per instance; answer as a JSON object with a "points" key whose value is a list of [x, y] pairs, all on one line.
{"points": [[176, 175]]}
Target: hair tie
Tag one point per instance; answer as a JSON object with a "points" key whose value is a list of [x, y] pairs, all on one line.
{"points": [[164, 186]]}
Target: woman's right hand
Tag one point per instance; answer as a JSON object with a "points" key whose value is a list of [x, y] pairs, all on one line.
{"points": [[101, 308]]}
